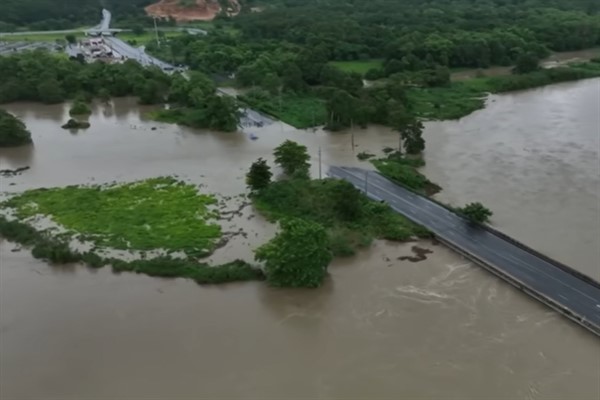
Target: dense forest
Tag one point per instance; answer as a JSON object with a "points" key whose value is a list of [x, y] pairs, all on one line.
{"points": [[288, 56], [63, 14]]}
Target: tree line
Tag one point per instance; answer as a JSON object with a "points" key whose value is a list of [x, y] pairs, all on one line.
{"points": [[44, 77]]}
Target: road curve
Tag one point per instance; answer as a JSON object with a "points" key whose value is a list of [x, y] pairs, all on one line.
{"points": [[572, 296]]}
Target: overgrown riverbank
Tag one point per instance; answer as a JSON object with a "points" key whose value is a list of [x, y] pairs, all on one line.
{"points": [[352, 221], [453, 100], [47, 246], [459, 99], [404, 170]]}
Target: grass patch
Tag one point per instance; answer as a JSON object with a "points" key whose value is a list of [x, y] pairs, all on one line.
{"points": [[51, 249], [403, 170], [158, 213], [300, 111], [358, 66], [319, 201], [459, 99], [147, 37]]}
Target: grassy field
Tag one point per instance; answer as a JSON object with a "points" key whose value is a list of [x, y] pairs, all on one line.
{"points": [[299, 111], [404, 171], [358, 66], [159, 213]]}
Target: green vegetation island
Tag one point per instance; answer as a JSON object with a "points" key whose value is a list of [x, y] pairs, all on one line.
{"points": [[172, 227]]}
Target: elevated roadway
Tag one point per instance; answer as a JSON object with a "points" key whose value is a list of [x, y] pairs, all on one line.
{"points": [[569, 292]]}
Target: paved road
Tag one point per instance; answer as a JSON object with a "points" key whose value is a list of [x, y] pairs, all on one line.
{"points": [[540, 276]]}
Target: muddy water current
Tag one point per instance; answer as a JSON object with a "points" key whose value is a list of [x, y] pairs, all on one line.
{"points": [[379, 328], [533, 157]]}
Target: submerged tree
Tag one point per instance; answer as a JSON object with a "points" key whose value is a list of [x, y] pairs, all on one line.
{"points": [[292, 158], [410, 130], [526, 62], [259, 176], [298, 256], [12, 131], [347, 201], [476, 212]]}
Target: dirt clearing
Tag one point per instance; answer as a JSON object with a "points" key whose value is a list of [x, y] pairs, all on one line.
{"points": [[203, 10]]}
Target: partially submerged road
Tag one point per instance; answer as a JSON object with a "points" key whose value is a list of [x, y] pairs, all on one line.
{"points": [[573, 295]]}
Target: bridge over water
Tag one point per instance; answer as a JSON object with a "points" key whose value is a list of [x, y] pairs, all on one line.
{"points": [[560, 287]]}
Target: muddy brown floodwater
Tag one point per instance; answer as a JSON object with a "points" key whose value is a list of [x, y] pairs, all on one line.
{"points": [[532, 157], [380, 328]]}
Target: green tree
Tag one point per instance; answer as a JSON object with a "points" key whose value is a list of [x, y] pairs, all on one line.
{"points": [[341, 108], [138, 30], [292, 158], [150, 93], [12, 131], [526, 63], [222, 113], [50, 91], [298, 256], [476, 212], [271, 83], [71, 39], [410, 130], [79, 108], [347, 201], [104, 95], [259, 176]]}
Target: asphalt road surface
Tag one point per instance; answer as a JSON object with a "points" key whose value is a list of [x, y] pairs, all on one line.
{"points": [[540, 276]]}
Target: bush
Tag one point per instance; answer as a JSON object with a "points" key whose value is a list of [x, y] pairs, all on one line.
{"points": [[56, 251], [74, 124], [80, 108], [363, 155], [298, 256], [12, 131], [350, 218], [403, 171], [476, 212]]}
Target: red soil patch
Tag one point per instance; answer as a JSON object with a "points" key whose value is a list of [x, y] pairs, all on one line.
{"points": [[205, 10]]}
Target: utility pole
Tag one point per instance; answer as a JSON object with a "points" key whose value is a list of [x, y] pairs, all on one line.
{"points": [[366, 182], [156, 32], [352, 133], [319, 162], [399, 143]]}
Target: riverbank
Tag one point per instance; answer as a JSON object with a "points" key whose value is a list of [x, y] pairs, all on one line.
{"points": [[455, 100], [461, 98]]}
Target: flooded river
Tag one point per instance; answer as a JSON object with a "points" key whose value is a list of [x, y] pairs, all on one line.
{"points": [[379, 328], [534, 158]]}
